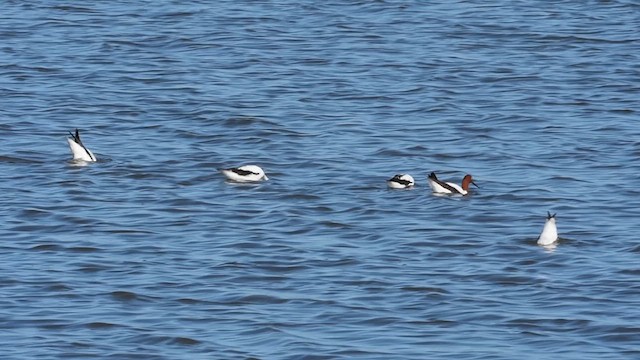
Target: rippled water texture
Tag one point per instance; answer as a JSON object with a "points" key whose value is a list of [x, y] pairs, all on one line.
{"points": [[150, 254]]}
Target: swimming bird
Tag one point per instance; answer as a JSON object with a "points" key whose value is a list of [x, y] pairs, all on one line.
{"points": [[401, 181], [79, 151], [442, 187], [549, 233], [245, 173]]}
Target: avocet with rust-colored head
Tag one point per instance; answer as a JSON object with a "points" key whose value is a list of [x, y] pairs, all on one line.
{"points": [[401, 181], [79, 151], [549, 233], [441, 187], [245, 173]]}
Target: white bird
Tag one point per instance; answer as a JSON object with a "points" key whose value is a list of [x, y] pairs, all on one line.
{"points": [[549, 233], [442, 187], [401, 181], [79, 151], [245, 173]]}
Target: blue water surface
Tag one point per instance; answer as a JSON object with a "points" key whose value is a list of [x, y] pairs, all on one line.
{"points": [[150, 254]]}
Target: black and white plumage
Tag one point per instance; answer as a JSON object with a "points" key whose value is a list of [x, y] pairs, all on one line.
{"points": [[79, 151], [245, 173], [401, 181], [549, 233], [441, 187]]}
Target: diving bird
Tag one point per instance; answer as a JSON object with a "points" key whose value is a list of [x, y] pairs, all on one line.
{"points": [[441, 187], [79, 151], [245, 173], [401, 181], [549, 233]]}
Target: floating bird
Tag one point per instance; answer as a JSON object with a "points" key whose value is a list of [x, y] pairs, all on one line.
{"points": [[245, 173], [442, 187], [79, 151], [549, 233], [401, 181]]}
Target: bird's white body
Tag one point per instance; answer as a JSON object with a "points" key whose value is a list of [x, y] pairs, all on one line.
{"points": [[79, 151], [437, 188], [401, 181], [440, 187], [549, 233], [245, 173]]}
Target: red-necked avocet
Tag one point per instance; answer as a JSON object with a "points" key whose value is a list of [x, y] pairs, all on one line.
{"points": [[441, 187], [401, 181], [79, 151], [549, 233], [245, 173]]}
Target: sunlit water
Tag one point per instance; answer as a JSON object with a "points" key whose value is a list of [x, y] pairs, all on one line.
{"points": [[150, 254]]}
